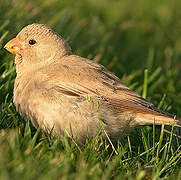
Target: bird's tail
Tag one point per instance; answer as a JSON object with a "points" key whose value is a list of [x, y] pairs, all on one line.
{"points": [[158, 119]]}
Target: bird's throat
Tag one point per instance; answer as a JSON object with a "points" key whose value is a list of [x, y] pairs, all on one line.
{"points": [[18, 59]]}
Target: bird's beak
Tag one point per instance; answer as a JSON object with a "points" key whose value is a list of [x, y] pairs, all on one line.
{"points": [[13, 46]]}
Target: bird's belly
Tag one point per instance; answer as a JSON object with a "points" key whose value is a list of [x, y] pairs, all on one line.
{"points": [[75, 117]]}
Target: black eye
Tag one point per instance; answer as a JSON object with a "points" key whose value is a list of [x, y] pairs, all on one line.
{"points": [[32, 42]]}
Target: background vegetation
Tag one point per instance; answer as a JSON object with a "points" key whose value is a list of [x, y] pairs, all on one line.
{"points": [[127, 37]]}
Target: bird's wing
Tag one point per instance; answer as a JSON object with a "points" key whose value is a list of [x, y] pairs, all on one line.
{"points": [[76, 76]]}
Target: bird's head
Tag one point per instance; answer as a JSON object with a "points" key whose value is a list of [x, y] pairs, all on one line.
{"points": [[36, 43]]}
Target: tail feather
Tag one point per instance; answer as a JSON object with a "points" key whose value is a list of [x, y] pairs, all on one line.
{"points": [[147, 119], [145, 112]]}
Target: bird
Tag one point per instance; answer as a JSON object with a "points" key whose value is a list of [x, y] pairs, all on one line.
{"points": [[63, 93]]}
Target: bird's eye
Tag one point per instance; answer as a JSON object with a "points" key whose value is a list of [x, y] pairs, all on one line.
{"points": [[32, 42]]}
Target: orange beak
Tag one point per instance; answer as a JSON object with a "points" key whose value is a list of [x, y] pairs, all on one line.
{"points": [[13, 46]]}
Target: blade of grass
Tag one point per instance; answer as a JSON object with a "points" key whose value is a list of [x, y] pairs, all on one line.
{"points": [[145, 84]]}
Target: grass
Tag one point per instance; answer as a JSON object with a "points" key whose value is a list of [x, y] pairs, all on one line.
{"points": [[141, 43]]}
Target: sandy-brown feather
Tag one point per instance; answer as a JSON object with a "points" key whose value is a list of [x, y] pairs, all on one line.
{"points": [[69, 93]]}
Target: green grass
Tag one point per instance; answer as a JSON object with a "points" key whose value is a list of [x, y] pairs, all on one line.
{"points": [[140, 41]]}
